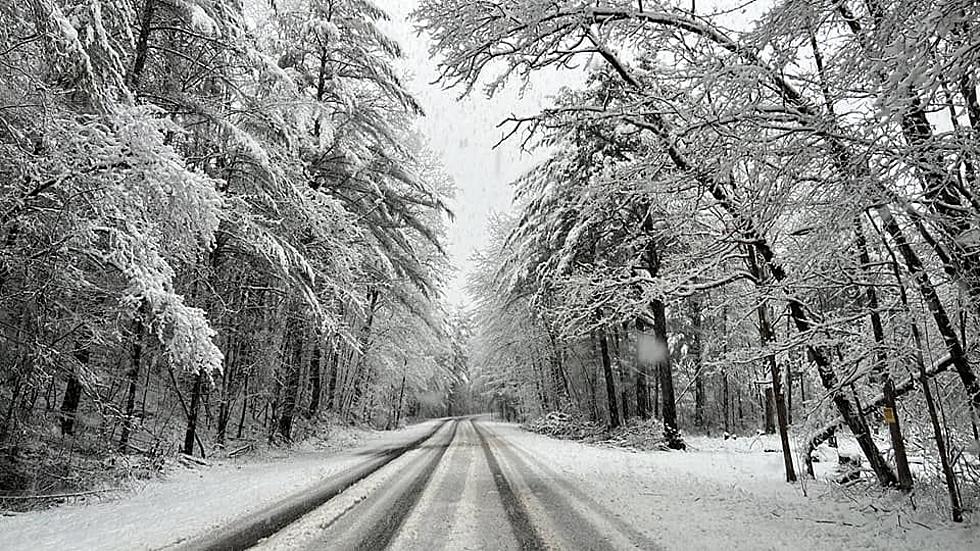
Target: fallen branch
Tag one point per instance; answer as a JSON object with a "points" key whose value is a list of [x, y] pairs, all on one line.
{"points": [[241, 450], [60, 496], [184, 458], [905, 387], [823, 521]]}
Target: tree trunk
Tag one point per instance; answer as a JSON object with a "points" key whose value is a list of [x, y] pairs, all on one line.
{"points": [[142, 43], [768, 411], [880, 369], [725, 401], [789, 394], [741, 412], [608, 376], [656, 390], [954, 497], [290, 389], [245, 403], [69, 405], [398, 408], [228, 375], [956, 506], [191, 433], [132, 377], [332, 377], [565, 391], [315, 382], [357, 361], [73, 392], [623, 381], [727, 407], [696, 353], [775, 395], [946, 329], [672, 433], [642, 387]]}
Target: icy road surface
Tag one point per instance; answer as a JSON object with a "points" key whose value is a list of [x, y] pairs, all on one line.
{"points": [[474, 484]]}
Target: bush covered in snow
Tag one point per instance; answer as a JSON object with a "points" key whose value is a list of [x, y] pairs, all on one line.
{"points": [[636, 434], [564, 425]]}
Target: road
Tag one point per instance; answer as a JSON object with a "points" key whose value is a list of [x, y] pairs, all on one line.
{"points": [[468, 484], [464, 486]]}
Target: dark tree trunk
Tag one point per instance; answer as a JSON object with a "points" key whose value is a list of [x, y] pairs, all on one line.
{"points": [[357, 364], [642, 387], [769, 413], [623, 381], [245, 403], [608, 376], [956, 506], [334, 366], [132, 377], [592, 383], [73, 392], [699, 401], [398, 408], [191, 433], [224, 415], [946, 328], [290, 390], [725, 401], [741, 412], [69, 405], [228, 375], [696, 352], [565, 391], [880, 369], [789, 394], [665, 375], [774, 395], [142, 43], [656, 390], [727, 406], [315, 383]]}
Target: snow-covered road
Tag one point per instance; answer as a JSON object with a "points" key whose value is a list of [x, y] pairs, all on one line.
{"points": [[475, 484]]}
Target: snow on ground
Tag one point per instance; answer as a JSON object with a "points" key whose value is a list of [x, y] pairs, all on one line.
{"points": [[188, 502], [732, 495]]}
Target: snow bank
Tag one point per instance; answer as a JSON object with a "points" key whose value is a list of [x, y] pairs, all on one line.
{"points": [[732, 495], [190, 502]]}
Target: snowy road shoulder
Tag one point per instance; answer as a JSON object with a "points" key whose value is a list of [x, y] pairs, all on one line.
{"points": [[719, 498], [189, 503]]}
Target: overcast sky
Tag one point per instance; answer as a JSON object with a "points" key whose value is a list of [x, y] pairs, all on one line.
{"points": [[463, 133]]}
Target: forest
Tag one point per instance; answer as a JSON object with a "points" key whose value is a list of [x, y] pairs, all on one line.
{"points": [[762, 218], [219, 228]]}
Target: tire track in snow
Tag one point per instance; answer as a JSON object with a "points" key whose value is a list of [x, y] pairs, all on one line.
{"points": [[460, 507], [568, 517], [403, 503], [371, 513], [517, 514], [245, 532]]}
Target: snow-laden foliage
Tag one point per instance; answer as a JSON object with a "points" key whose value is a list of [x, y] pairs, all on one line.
{"points": [[785, 193], [215, 222]]}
